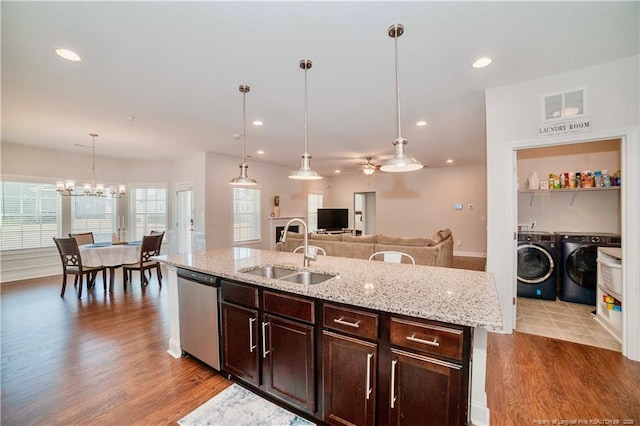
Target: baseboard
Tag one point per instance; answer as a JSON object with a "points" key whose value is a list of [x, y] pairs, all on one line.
{"points": [[479, 414], [174, 349], [469, 254]]}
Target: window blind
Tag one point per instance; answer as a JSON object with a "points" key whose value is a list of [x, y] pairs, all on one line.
{"points": [[149, 209], [246, 214]]}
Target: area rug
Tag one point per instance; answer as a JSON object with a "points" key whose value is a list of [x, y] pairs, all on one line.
{"points": [[238, 406]]}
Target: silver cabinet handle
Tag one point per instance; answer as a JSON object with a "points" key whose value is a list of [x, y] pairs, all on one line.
{"points": [[393, 382], [412, 338], [368, 386], [264, 339], [347, 323], [251, 345]]}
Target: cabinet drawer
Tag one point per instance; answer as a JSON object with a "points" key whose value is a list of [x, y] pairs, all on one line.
{"points": [[239, 294], [289, 306], [351, 321], [427, 338]]}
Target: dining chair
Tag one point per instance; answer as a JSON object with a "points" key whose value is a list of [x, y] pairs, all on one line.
{"points": [[72, 264], [83, 238], [312, 250], [392, 256], [159, 248], [150, 248]]}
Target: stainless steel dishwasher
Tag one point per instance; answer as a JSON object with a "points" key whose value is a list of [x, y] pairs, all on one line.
{"points": [[198, 300]]}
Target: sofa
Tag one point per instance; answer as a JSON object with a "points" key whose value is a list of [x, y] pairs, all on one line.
{"points": [[436, 250]]}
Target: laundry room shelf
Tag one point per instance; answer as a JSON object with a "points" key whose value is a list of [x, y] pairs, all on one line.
{"points": [[574, 192]]}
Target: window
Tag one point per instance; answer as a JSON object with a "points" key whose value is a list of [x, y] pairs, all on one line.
{"points": [[314, 202], [94, 214], [565, 105], [246, 214], [31, 215], [149, 210]]}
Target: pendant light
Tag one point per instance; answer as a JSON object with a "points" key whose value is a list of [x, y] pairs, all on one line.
{"points": [[400, 162], [305, 172], [243, 179]]}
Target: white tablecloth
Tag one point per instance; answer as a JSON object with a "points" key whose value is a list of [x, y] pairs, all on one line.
{"points": [[109, 255]]}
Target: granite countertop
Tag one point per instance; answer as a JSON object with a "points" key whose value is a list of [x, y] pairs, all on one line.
{"points": [[455, 296]]}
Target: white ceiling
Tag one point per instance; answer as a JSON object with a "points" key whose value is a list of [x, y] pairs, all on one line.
{"points": [[176, 68]]}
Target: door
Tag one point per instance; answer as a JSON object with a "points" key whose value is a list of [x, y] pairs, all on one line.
{"points": [[184, 220], [288, 361], [349, 378], [425, 391], [240, 342], [364, 207]]}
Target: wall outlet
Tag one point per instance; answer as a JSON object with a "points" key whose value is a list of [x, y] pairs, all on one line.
{"points": [[459, 243]]}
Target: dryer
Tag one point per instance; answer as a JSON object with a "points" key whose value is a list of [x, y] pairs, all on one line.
{"points": [[578, 265], [537, 265]]}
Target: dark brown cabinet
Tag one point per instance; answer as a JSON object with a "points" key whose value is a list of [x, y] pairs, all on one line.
{"points": [[240, 342], [374, 368], [272, 333], [288, 361], [425, 391], [349, 380]]}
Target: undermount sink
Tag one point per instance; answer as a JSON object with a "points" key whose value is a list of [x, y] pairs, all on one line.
{"points": [[288, 274], [268, 271], [306, 277]]}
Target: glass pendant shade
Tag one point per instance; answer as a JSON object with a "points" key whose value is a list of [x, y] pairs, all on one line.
{"points": [[400, 162], [305, 172], [243, 179]]}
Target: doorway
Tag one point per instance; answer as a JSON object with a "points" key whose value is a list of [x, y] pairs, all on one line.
{"points": [[364, 208], [184, 220]]}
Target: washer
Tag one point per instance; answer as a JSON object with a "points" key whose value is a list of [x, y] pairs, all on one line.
{"points": [[537, 265], [579, 252]]}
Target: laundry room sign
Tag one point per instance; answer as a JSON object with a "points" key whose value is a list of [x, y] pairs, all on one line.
{"points": [[565, 127]]}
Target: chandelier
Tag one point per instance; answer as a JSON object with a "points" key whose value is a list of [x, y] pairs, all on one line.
{"points": [[66, 188]]}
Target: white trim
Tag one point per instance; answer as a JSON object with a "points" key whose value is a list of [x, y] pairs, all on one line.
{"points": [[23, 264], [469, 254], [630, 203]]}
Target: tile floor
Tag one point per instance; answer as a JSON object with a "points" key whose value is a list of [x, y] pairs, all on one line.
{"points": [[563, 320]]}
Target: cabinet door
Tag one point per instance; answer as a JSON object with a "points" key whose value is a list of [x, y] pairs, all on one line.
{"points": [[349, 378], [240, 342], [289, 361], [425, 391]]}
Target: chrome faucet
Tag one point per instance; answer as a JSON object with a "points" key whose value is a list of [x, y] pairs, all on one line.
{"points": [[307, 256]]}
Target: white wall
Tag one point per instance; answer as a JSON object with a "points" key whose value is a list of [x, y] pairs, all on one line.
{"points": [[559, 211], [513, 117], [422, 202]]}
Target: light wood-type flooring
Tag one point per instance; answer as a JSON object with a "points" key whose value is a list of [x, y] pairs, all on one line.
{"points": [[102, 360]]}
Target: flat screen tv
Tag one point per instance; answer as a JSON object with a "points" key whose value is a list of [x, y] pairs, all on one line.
{"points": [[333, 219]]}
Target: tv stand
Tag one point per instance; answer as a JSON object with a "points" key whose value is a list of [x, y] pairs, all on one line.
{"points": [[335, 231]]}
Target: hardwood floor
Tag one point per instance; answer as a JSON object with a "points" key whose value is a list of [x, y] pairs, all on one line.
{"points": [[102, 361]]}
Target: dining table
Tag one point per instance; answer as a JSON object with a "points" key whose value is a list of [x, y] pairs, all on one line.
{"points": [[110, 255]]}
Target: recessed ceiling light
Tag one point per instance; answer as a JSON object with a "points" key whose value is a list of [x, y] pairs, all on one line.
{"points": [[481, 63], [131, 117], [336, 171], [260, 152], [421, 123], [449, 161], [67, 54], [258, 123]]}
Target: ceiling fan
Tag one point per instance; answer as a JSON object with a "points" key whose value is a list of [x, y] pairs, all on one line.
{"points": [[369, 168]]}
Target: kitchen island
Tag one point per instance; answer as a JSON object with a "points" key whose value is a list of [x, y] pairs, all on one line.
{"points": [[449, 301]]}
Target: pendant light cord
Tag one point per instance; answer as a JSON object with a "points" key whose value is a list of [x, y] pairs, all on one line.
{"points": [[244, 126], [93, 161], [305, 109], [397, 86]]}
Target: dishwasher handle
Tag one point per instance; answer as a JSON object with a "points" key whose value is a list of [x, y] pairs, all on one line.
{"points": [[199, 277]]}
